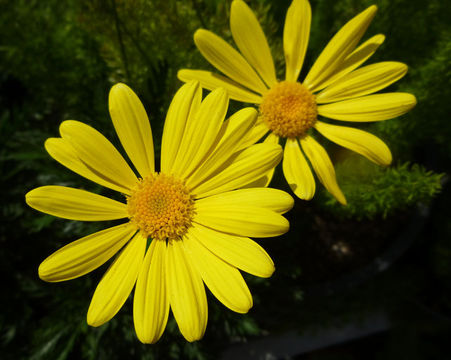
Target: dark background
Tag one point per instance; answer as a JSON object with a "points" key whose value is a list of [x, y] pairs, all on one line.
{"points": [[371, 280]]}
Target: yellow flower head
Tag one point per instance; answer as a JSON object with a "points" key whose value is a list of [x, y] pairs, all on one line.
{"points": [[335, 87], [197, 211]]}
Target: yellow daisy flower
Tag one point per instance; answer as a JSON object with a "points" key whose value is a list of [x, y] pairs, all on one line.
{"points": [[333, 88], [193, 211]]}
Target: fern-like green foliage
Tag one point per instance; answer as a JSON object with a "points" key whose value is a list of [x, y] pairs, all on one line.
{"points": [[372, 190]]}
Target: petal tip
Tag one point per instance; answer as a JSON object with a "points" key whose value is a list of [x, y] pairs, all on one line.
{"points": [[119, 89], [119, 86], [67, 125], [94, 317], [199, 33], [291, 203], [29, 196], [379, 39], [234, 6], [341, 199], [192, 83], [32, 197], [221, 93], [372, 9], [180, 74], [43, 272]]}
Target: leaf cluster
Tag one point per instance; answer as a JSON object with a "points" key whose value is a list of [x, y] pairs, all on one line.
{"points": [[374, 191]]}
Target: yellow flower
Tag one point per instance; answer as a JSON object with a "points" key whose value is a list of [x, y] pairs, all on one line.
{"points": [[333, 88], [193, 210]]}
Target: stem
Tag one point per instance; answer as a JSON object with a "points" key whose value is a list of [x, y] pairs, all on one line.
{"points": [[198, 13], [119, 36]]}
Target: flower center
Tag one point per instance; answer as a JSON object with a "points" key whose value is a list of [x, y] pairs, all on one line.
{"points": [[161, 207], [289, 109]]}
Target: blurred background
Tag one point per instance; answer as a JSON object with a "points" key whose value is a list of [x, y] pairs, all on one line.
{"points": [[371, 280]]}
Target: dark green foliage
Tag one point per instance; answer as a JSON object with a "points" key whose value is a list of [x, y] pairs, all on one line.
{"points": [[372, 190]]}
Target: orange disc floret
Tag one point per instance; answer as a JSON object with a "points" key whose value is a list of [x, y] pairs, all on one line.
{"points": [[161, 207], [289, 109]]}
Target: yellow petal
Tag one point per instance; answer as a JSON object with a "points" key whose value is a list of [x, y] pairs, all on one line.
{"points": [[323, 167], [244, 168], [338, 48], [151, 300], [63, 152], [133, 128], [98, 153], [266, 179], [75, 204], [355, 59], [296, 35], [117, 283], [242, 220], [357, 140], [84, 255], [200, 132], [297, 171], [227, 60], [259, 130], [364, 81], [211, 81], [186, 292], [369, 108], [224, 281], [240, 252], [230, 136], [185, 104], [267, 198], [250, 39]]}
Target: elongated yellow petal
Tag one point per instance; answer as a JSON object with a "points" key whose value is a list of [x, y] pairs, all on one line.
{"points": [[97, 153], [186, 292], [224, 281], [84, 255], [297, 171], [355, 59], [364, 81], [63, 152], [151, 300], [240, 252], [211, 81], [369, 108], [227, 60], [75, 204], [248, 166], [296, 35], [230, 136], [338, 48], [265, 180], [250, 39], [117, 283], [259, 130], [267, 198], [360, 141], [133, 128], [323, 167], [241, 220], [185, 104], [200, 132]]}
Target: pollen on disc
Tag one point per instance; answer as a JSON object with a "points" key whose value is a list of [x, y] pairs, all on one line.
{"points": [[161, 207], [289, 109]]}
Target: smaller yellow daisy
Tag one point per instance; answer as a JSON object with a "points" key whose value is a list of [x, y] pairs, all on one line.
{"points": [[192, 211], [333, 88]]}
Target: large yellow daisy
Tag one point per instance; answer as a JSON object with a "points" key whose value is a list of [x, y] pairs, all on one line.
{"points": [[192, 211], [333, 88]]}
